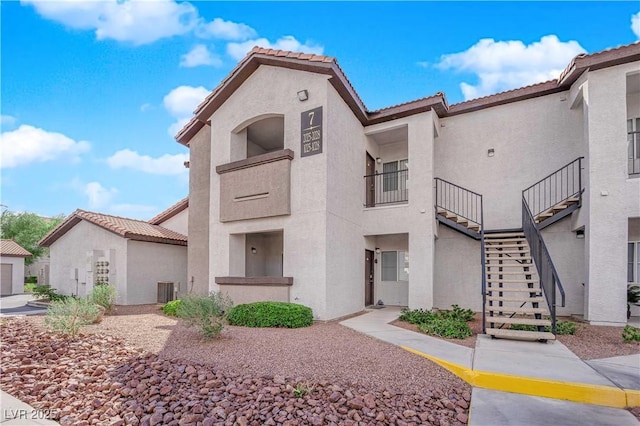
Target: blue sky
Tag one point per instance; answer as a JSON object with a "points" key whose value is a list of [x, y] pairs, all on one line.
{"points": [[93, 92]]}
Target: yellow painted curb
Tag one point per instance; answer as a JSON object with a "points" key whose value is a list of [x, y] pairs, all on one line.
{"points": [[633, 397], [577, 392]]}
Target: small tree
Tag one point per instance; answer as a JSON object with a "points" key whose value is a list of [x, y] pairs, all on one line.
{"points": [[27, 229], [68, 315], [207, 313]]}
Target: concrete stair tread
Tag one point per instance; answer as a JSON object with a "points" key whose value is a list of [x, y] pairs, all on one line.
{"points": [[458, 219], [506, 252], [515, 310], [511, 273], [505, 245], [520, 334], [515, 290], [496, 280], [516, 320], [535, 299], [506, 235], [509, 265]]}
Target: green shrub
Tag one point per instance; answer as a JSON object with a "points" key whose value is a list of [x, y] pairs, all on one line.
{"points": [[207, 313], [31, 279], [302, 389], [271, 314], [28, 287], [631, 334], [458, 313], [450, 328], [104, 295], [46, 292], [171, 308], [68, 315], [416, 316]]}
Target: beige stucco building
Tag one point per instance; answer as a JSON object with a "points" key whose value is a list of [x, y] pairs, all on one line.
{"points": [[145, 261], [299, 193], [12, 257]]}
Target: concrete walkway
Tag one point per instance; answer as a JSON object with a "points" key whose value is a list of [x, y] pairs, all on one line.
{"points": [[17, 305], [523, 383]]}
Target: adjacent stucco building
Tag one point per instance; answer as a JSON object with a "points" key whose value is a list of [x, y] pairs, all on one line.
{"points": [[146, 262], [299, 193], [12, 256]]}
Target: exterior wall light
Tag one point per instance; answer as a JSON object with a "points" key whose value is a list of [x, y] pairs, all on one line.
{"points": [[580, 234], [303, 95], [491, 152], [378, 160], [254, 250], [377, 250]]}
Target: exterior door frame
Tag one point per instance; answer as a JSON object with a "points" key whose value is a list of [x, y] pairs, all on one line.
{"points": [[370, 181], [368, 277]]}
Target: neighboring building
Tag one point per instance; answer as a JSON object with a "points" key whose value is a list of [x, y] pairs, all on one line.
{"points": [[299, 193], [39, 268], [147, 263], [12, 257], [175, 218]]}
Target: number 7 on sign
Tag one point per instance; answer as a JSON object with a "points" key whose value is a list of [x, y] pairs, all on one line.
{"points": [[311, 115]]}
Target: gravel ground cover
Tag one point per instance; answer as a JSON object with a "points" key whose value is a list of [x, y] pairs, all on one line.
{"points": [[141, 367]]}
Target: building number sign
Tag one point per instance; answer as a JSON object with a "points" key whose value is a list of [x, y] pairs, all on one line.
{"points": [[311, 132]]}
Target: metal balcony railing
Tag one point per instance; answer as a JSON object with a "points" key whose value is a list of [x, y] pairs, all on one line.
{"points": [[386, 188]]}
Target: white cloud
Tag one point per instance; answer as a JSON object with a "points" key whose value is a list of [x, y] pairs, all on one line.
{"points": [[166, 164], [181, 102], [226, 30], [28, 144], [98, 195], [146, 107], [504, 65], [138, 22], [200, 55], [238, 50], [7, 120], [635, 24]]}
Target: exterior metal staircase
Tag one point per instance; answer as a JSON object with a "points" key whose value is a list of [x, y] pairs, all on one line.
{"points": [[518, 274]]}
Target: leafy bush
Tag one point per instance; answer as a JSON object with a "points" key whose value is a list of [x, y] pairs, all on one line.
{"points": [[562, 327], [631, 334], [32, 279], [104, 295], [207, 313], [450, 328], [68, 315], [28, 287], [171, 308], [416, 316], [46, 292], [271, 314], [458, 313]]}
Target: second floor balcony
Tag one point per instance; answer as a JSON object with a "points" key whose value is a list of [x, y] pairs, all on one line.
{"points": [[387, 188]]}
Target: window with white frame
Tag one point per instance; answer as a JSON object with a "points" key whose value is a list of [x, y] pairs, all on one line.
{"points": [[633, 262], [395, 266], [395, 178], [633, 145]]}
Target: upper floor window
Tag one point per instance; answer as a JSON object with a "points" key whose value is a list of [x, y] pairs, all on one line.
{"points": [[633, 145]]}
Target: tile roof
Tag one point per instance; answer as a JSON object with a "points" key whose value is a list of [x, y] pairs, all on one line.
{"points": [[328, 65], [10, 248], [170, 212], [132, 229]]}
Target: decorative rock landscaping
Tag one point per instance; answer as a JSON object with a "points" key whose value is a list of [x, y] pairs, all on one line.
{"points": [[96, 379]]}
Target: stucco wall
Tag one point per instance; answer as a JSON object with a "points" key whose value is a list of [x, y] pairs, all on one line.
{"points": [[198, 212], [267, 260], [272, 91], [150, 263], [17, 273], [39, 268], [71, 251], [531, 139], [178, 223]]}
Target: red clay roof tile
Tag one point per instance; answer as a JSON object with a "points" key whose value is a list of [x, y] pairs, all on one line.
{"points": [[10, 248]]}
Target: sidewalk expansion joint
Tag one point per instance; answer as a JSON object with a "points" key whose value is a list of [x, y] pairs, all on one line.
{"points": [[607, 396]]}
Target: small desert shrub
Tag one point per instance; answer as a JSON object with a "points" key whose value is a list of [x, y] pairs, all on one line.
{"points": [[171, 308], [208, 313], [458, 313], [68, 315], [449, 328], [28, 287], [46, 292], [416, 316], [31, 279], [104, 295], [271, 314], [302, 389], [631, 334]]}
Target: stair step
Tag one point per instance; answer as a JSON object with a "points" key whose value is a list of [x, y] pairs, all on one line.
{"points": [[510, 272], [503, 235], [499, 243], [508, 265], [494, 245], [492, 250], [498, 280], [517, 320], [519, 334], [519, 258], [523, 310], [515, 290], [559, 207], [536, 299]]}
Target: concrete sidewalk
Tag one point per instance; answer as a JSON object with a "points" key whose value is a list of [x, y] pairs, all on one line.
{"points": [[16, 304], [523, 383], [15, 412]]}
